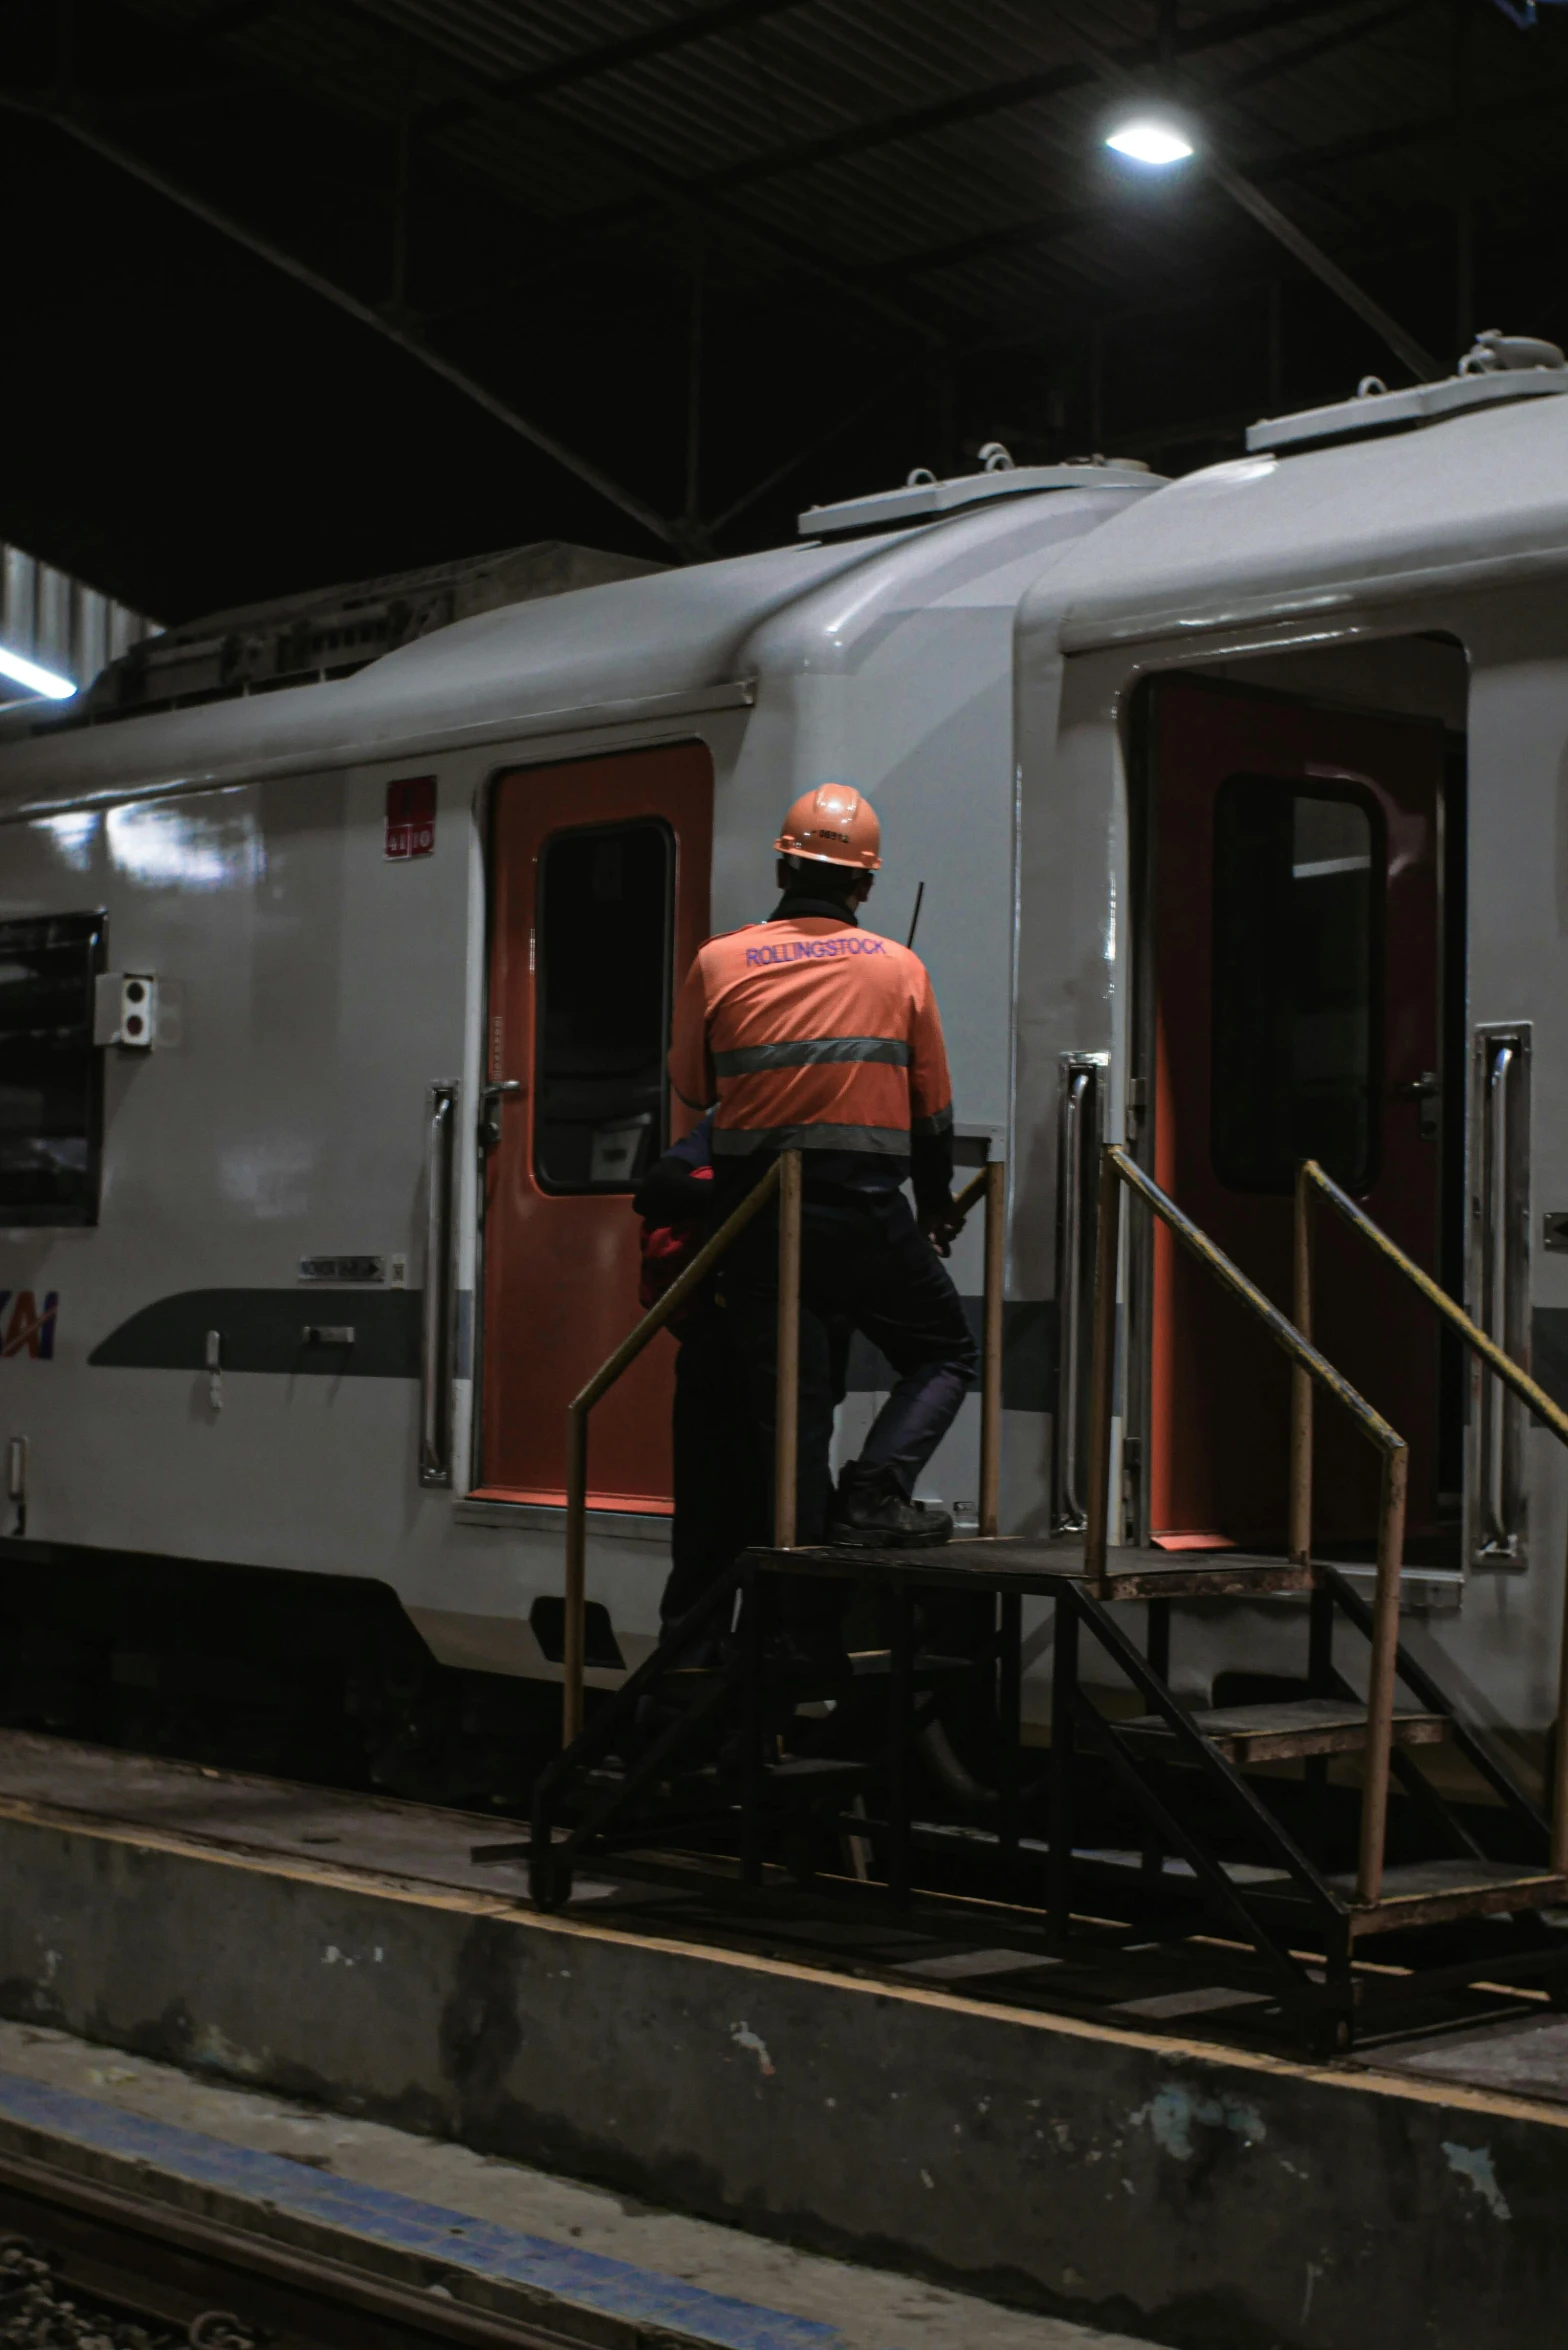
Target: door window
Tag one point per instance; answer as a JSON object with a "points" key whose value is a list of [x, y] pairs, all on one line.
{"points": [[1297, 1000], [605, 945], [51, 1074]]}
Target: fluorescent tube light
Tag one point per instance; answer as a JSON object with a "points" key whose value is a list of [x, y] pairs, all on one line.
{"points": [[37, 681], [1149, 142]]}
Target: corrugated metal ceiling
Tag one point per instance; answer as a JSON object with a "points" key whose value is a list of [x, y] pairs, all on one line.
{"points": [[716, 258], [870, 136]]}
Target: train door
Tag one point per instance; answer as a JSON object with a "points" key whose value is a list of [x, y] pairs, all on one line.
{"points": [[1297, 1013], [599, 900]]}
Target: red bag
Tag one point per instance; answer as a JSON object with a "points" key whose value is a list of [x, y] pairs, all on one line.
{"points": [[667, 1250]]}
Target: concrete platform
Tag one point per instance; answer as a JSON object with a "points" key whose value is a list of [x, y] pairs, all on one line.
{"points": [[353, 1955], [496, 2237]]}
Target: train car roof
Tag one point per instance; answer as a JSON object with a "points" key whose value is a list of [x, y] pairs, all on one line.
{"points": [[1478, 498], [624, 648]]}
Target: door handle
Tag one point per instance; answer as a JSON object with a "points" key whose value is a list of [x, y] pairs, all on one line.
{"points": [[490, 1099], [1427, 1091]]}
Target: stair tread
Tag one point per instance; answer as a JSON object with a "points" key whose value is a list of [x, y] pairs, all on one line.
{"points": [[1280, 1714], [1433, 1892], [1131, 1573], [1285, 1728], [1417, 1880]]}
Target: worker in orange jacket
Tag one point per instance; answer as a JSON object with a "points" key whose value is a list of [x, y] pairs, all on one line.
{"points": [[806, 1032]]}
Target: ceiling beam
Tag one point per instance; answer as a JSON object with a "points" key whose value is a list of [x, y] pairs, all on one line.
{"points": [[1298, 163], [992, 98], [671, 531], [877, 398], [661, 190], [229, 16], [587, 65], [1236, 25], [1249, 197]]}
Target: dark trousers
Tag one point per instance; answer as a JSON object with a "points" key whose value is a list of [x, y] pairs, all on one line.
{"points": [[721, 1494], [865, 1265]]}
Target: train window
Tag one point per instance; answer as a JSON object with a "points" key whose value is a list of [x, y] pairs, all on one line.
{"points": [[605, 926], [51, 1075], [1297, 984]]}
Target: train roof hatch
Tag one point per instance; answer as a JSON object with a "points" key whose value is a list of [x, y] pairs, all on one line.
{"points": [[1499, 368], [922, 498]]}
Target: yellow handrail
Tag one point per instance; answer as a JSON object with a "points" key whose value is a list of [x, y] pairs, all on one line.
{"points": [[1117, 1169], [783, 1177], [653, 1321], [1310, 1178]]}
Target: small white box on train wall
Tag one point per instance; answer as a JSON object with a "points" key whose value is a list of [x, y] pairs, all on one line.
{"points": [[125, 1009]]}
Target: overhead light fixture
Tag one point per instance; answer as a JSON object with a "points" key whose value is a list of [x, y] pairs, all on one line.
{"points": [[1146, 140], [47, 682]]}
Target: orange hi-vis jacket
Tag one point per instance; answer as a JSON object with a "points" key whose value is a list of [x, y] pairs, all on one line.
{"points": [[811, 1034]]}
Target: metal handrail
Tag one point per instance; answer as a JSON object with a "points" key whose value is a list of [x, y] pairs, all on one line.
{"points": [[783, 1177], [990, 1187], [1117, 1169], [436, 1312], [653, 1321], [1311, 1178]]}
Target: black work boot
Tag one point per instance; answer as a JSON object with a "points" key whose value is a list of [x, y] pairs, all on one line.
{"points": [[873, 1512]]}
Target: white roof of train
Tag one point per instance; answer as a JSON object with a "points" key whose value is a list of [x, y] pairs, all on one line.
{"points": [[1478, 498], [544, 665]]}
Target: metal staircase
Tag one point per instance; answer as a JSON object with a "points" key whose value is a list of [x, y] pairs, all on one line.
{"points": [[1168, 1827]]}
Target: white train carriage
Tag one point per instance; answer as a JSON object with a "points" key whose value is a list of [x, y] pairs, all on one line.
{"points": [[326, 1218], [1241, 805]]}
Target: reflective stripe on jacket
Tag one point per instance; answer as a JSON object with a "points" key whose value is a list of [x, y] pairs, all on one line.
{"points": [[811, 1034]]}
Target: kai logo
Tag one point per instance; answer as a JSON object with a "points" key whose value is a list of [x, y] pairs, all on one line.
{"points": [[23, 1328]]}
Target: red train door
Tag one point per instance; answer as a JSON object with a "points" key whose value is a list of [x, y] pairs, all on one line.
{"points": [[1298, 1014], [599, 900]]}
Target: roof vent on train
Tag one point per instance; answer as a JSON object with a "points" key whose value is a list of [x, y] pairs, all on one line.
{"points": [[925, 499], [1500, 368], [330, 632]]}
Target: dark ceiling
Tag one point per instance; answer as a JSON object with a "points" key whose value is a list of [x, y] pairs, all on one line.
{"points": [[311, 289]]}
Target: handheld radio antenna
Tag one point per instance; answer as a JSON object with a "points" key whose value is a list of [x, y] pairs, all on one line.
{"points": [[915, 916]]}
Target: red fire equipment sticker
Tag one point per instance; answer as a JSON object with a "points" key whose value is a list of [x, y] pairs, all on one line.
{"points": [[411, 817]]}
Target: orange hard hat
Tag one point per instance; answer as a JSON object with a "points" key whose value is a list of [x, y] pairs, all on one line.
{"points": [[833, 825]]}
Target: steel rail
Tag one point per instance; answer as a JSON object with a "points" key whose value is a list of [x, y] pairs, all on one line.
{"points": [[1117, 1170], [1310, 1179], [411, 2312]]}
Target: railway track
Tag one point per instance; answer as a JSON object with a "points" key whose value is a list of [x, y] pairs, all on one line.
{"points": [[99, 2262]]}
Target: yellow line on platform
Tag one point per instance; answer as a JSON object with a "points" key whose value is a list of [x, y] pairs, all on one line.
{"points": [[1347, 2074]]}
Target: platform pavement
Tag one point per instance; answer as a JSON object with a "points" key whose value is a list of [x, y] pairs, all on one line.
{"points": [[359, 2185], [348, 1951]]}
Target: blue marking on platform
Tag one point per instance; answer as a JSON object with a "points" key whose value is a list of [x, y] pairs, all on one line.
{"points": [[454, 2238]]}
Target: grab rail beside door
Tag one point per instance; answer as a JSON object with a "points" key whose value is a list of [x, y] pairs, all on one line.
{"points": [[1079, 1133], [1502, 1285], [437, 1328]]}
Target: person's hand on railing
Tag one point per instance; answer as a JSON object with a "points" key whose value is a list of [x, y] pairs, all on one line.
{"points": [[942, 1224]]}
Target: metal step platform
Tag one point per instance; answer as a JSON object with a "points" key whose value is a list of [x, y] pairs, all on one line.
{"points": [[1175, 1828], [1237, 1829], [1282, 1733], [1010, 1562]]}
